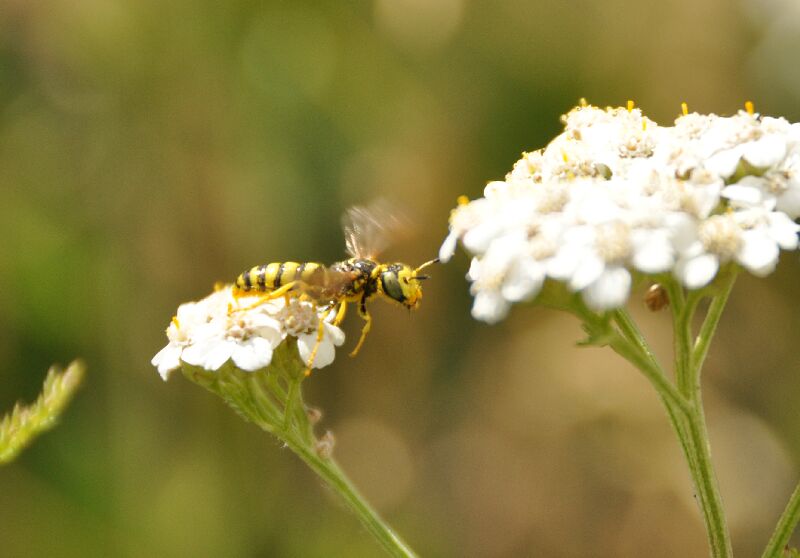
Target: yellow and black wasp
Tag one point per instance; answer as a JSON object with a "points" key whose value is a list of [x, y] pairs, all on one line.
{"points": [[367, 231]]}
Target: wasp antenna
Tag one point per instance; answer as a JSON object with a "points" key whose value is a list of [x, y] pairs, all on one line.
{"points": [[426, 264]]}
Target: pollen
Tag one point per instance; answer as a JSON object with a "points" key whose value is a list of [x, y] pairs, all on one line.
{"points": [[462, 200], [720, 235], [684, 108], [630, 105], [750, 108], [298, 317], [613, 241]]}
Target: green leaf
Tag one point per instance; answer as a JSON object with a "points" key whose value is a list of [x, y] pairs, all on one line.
{"points": [[23, 424]]}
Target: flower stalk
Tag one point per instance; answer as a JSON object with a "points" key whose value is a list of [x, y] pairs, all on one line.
{"points": [[786, 526], [272, 399], [700, 465], [683, 398], [685, 409]]}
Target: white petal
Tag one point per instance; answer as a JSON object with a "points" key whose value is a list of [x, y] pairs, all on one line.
{"points": [[478, 238], [325, 353], [335, 334], [789, 202], [745, 192], [725, 162], [588, 271], [210, 354], [523, 280], [448, 247], [252, 354], [564, 263], [609, 291], [270, 333], [766, 151], [783, 230], [698, 271], [758, 253], [167, 360], [683, 230], [490, 307], [653, 253]]}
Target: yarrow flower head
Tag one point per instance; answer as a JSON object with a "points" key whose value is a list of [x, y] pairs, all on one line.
{"points": [[616, 196], [242, 330]]}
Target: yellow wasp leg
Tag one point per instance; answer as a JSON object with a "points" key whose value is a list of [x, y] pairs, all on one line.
{"points": [[362, 311], [340, 313], [320, 336], [284, 290]]}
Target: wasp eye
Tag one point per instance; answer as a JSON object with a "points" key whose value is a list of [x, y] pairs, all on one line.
{"points": [[392, 286]]}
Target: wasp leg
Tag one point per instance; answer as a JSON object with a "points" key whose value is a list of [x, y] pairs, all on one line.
{"points": [[284, 290], [313, 355], [340, 313], [362, 311]]}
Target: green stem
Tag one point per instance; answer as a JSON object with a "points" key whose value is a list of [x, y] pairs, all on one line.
{"points": [[684, 403], [694, 430], [294, 387], [631, 332], [652, 373], [709, 326], [785, 527], [632, 347], [705, 481], [336, 479], [685, 376], [677, 407], [273, 400], [677, 413], [298, 436]]}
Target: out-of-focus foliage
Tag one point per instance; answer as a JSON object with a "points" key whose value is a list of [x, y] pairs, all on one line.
{"points": [[149, 149], [19, 427]]}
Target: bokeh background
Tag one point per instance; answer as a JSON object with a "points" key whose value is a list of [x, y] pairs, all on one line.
{"points": [[149, 149]]}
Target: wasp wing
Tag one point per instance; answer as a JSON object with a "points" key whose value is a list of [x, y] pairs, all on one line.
{"points": [[368, 230]]}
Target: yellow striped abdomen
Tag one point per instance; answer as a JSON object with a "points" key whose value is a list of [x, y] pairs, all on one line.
{"points": [[268, 277]]}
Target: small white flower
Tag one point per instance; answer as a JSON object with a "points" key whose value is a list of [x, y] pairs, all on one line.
{"points": [[719, 239], [591, 261], [244, 331], [778, 188], [508, 270], [332, 337], [190, 318], [617, 193], [245, 337], [300, 319]]}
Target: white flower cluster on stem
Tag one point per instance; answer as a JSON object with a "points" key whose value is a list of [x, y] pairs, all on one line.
{"points": [[221, 327], [617, 194]]}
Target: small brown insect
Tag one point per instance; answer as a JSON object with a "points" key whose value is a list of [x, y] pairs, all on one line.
{"points": [[656, 298]]}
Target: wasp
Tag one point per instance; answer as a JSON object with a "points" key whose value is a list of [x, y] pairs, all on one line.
{"points": [[361, 277]]}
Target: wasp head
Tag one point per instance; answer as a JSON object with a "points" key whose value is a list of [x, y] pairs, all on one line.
{"points": [[402, 283]]}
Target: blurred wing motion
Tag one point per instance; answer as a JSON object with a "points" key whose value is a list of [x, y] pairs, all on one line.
{"points": [[369, 230]]}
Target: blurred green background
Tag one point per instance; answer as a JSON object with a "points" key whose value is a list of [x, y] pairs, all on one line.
{"points": [[149, 149]]}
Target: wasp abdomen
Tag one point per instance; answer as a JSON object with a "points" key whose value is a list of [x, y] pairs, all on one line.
{"points": [[268, 277]]}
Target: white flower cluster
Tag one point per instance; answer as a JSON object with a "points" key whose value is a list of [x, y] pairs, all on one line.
{"points": [[219, 328], [616, 193]]}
